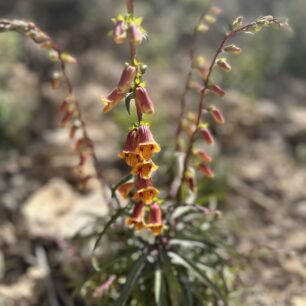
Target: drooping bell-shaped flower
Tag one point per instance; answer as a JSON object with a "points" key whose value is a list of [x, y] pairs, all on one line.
{"points": [[119, 33], [145, 190], [126, 79], [125, 189], [144, 101], [136, 219], [146, 143], [132, 158], [135, 34], [144, 169], [155, 224], [112, 100]]}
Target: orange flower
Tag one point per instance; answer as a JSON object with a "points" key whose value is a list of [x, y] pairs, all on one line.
{"points": [[155, 224], [146, 143], [145, 191], [137, 216], [144, 169], [131, 157]]}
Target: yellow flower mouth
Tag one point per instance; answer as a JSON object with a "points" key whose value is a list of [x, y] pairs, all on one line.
{"points": [[146, 194], [136, 223], [144, 169], [155, 228], [146, 150], [131, 158]]}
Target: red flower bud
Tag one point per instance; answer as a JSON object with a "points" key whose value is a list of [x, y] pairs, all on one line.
{"points": [[127, 77], [223, 64], [216, 89], [119, 33], [206, 170], [216, 114], [204, 156], [207, 136], [144, 101]]}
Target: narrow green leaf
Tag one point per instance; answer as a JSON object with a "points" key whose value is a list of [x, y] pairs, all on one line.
{"points": [[113, 218], [131, 280], [181, 260], [173, 284]]}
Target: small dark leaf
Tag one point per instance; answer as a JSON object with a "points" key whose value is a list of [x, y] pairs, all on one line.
{"points": [[131, 279], [128, 99]]}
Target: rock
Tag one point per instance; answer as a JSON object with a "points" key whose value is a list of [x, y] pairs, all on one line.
{"points": [[298, 301], [26, 291], [58, 211]]}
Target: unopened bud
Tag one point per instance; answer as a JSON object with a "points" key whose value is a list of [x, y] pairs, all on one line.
{"points": [[210, 19], [202, 27], [216, 89], [232, 49], [223, 64], [207, 136], [216, 115], [53, 56], [215, 10], [192, 184], [204, 156], [206, 170], [56, 80], [67, 58], [237, 23]]}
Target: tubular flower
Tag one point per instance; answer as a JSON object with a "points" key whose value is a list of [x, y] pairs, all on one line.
{"points": [[145, 190], [137, 216], [126, 79], [155, 224], [144, 169], [125, 189], [135, 34], [132, 158], [112, 100], [119, 33], [207, 136], [146, 143], [144, 101]]}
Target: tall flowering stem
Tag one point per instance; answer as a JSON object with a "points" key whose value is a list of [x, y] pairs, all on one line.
{"points": [[206, 86], [140, 145], [72, 114], [192, 53]]}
